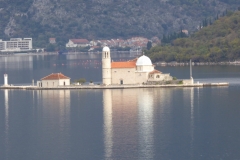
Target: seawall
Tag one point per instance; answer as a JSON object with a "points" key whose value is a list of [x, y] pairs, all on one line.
{"points": [[115, 86]]}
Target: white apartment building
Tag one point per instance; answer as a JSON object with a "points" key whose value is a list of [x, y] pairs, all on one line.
{"points": [[16, 44], [78, 43]]}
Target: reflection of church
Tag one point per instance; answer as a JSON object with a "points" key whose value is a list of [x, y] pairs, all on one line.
{"points": [[136, 71]]}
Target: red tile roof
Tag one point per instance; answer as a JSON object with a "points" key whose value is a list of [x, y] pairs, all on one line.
{"points": [[127, 64], [55, 76], [123, 64], [133, 60], [155, 71], [80, 41]]}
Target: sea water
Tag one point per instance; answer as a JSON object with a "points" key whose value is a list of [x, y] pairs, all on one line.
{"points": [[160, 123]]}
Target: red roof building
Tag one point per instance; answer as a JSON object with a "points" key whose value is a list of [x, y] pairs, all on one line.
{"points": [[123, 64], [52, 40], [78, 43], [55, 76], [54, 80]]}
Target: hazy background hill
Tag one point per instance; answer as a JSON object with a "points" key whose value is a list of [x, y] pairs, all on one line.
{"points": [[99, 19]]}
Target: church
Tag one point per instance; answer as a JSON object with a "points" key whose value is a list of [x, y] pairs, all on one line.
{"points": [[137, 71]]}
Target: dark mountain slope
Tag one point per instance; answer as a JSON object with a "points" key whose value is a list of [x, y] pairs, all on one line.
{"points": [[217, 42], [97, 19]]}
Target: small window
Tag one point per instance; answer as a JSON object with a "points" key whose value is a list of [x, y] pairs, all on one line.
{"points": [[157, 76], [128, 71]]}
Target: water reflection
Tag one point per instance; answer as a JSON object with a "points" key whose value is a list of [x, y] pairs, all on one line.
{"points": [[192, 119], [130, 116], [128, 122], [108, 131], [16, 62], [56, 101], [6, 122], [55, 120], [145, 118]]}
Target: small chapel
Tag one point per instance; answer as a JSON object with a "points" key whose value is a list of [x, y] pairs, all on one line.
{"points": [[137, 71]]}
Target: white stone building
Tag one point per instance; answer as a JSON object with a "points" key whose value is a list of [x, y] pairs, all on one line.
{"points": [[136, 71], [16, 44], [78, 43], [54, 80]]}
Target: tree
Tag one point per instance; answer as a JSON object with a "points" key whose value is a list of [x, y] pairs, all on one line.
{"points": [[50, 48], [81, 80], [164, 40], [149, 45]]}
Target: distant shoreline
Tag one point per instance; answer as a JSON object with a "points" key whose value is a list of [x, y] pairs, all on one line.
{"points": [[196, 63], [156, 63]]}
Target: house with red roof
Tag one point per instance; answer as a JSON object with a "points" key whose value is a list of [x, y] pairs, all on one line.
{"points": [[78, 43], [54, 80], [52, 40]]}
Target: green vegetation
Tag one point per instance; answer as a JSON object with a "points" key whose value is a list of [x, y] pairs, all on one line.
{"points": [[180, 82], [63, 20], [173, 36], [149, 45], [81, 80], [213, 43]]}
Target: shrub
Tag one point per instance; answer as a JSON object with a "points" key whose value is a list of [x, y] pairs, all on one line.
{"points": [[168, 82], [81, 80], [180, 82]]}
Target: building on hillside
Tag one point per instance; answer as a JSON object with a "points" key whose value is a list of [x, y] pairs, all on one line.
{"points": [[78, 43], [52, 40], [16, 44], [185, 31], [54, 80], [136, 71], [155, 41]]}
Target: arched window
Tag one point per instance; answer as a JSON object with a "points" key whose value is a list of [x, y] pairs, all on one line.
{"points": [[157, 76]]}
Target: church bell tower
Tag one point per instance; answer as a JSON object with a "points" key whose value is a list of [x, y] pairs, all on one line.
{"points": [[106, 66]]}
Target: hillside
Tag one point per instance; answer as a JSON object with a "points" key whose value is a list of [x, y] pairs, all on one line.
{"points": [[217, 42], [99, 19]]}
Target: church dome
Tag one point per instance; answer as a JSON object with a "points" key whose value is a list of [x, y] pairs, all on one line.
{"points": [[106, 49], [144, 61]]}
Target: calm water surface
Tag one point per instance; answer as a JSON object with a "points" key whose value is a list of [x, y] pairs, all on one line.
{"points": [[160, 123]]}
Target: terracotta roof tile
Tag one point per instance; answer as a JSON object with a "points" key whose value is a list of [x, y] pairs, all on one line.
{"points": [[133, 60], [80, 41], [154, 71], [55, 76], [123, 64]]}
